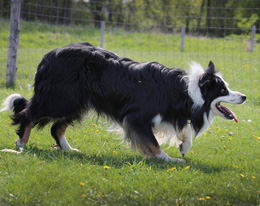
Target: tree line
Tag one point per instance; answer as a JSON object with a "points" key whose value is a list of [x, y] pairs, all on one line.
{"points": [[202, 17]]}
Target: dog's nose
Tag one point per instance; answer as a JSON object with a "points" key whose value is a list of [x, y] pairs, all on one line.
{"points": [[244, 97]]}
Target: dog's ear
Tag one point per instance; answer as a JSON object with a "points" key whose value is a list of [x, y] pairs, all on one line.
{"points": [[211, 68]]}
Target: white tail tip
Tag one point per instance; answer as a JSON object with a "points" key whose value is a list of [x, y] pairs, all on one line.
{"points": [[9, 102]]}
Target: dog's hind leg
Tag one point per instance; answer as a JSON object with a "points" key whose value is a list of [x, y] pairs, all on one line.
{"points": [[58, 130], [21, 116], [24, 130], [139, 133], [24, 134]]}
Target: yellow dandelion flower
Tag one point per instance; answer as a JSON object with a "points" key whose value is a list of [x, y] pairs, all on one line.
{"points": [[229, 139], [83, 195], [226, 130], [208, 197], [204, 133], [247, 66], [106, 167], [92, 129], [114, 152], [82, 183], [209, 129], [253, 177], [97, 131], [172, 169], [225, 147], [94, 125], [256, 137], [188, 167], [241, 175], [201, 198]]}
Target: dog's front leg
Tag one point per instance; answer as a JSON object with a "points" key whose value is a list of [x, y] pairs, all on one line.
{"points": [[186, 137], [139, 132], [185, 146]]}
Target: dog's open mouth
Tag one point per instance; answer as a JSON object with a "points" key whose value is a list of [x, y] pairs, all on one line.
{"points": [[226, 112]]}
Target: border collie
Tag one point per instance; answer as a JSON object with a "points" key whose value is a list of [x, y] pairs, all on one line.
{"points": [[152, 103]]}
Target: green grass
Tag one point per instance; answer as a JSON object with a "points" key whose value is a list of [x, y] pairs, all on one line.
{"points": [[221, 167]]}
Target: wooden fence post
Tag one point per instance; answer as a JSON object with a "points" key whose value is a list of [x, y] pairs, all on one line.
{"points": [[252, 38], [13, 43], [102, 32], [182, 37]]}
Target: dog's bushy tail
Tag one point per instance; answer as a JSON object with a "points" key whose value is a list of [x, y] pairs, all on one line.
{"points": [[17, 104]]}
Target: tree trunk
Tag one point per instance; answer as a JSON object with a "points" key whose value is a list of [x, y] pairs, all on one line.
{"points": [[13, 43], [199, 19]]}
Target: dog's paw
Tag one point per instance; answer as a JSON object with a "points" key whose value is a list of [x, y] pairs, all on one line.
{"points": [[167, 158], [177, 160], [75, 150], [19, 144], [71, 150], [184, 147]]}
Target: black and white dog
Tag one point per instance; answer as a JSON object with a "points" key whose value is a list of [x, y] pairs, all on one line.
{"points": [[152, 103]]}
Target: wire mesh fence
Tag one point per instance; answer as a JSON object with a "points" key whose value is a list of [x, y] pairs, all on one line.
{"points": [[171, 32]]}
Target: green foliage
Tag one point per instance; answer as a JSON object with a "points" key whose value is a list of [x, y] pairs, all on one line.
{"points": [[225, 17], [246, 23]]}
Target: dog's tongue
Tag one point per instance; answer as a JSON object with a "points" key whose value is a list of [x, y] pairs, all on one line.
{"points": [[232, 114]]}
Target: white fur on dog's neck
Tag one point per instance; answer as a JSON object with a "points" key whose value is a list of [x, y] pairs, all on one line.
{"points": [[196, 70]]}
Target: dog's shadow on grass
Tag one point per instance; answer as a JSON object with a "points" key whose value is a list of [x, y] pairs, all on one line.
{"points": [[118, 161], [50, 155]]}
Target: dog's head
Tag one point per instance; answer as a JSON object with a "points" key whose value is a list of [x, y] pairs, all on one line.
{"points": [[210, 90]]}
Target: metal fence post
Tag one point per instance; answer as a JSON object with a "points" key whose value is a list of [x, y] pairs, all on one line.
{"points": [[182, 37], [102, 32], [252, 38], [13, 42]]}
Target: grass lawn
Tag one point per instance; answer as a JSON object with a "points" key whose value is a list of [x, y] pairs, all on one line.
{"points": [[222, 167]]}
